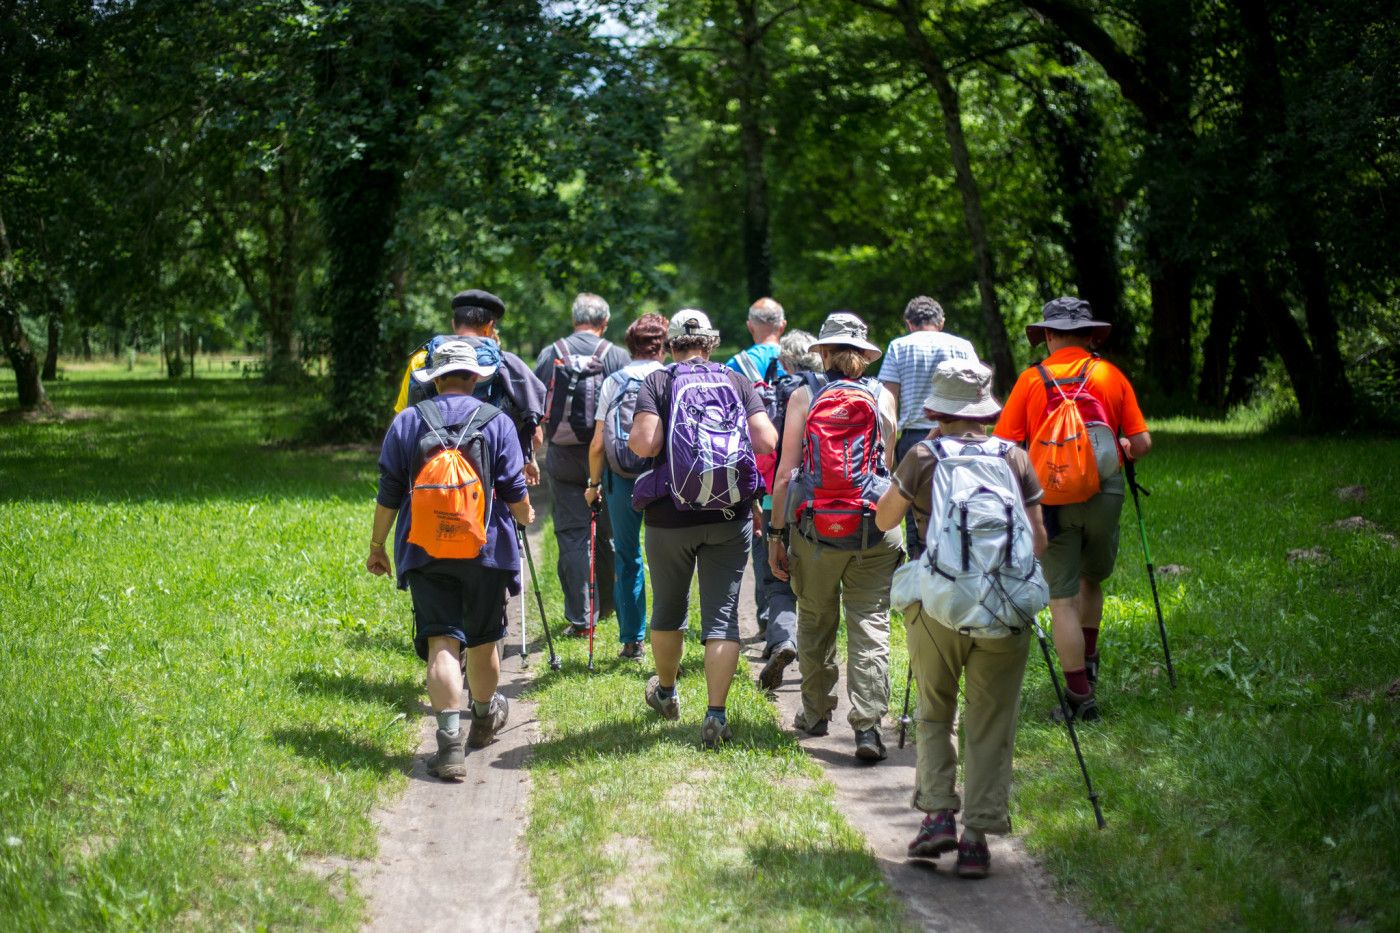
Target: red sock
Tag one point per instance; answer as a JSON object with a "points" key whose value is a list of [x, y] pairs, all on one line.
{"points": [[1077, 682], [1091, 641]]}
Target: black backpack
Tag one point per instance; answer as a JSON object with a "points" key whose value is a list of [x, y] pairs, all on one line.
{"points": [[572, 406]]}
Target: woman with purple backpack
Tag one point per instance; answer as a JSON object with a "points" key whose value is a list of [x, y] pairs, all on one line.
{"points": [[703, 423], [836, 457], [613, 471]]}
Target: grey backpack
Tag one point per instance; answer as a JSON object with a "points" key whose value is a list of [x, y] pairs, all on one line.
{"points": [[617, 428]]}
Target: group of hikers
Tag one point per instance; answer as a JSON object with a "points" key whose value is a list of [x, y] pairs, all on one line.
{"points": [[849, 492]]}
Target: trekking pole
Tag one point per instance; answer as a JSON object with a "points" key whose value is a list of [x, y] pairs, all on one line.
{"points": [[593, 511], [554, 663], [1069, 723], [1131, 473], [524, 645], [904, 719]]}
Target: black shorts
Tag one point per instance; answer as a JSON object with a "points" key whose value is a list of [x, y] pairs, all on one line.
{"points": [[458, 599]]}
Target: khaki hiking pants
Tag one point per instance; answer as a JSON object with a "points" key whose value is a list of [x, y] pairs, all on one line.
{"points": [[824, 580], [992, 670]]}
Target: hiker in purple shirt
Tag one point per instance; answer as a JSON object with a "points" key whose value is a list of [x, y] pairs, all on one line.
{"points": [[457, 603]]}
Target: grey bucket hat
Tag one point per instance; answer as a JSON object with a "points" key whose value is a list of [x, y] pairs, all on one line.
{"points": [[962, 389], [844, 329], [1067, 314], [454, 356]]}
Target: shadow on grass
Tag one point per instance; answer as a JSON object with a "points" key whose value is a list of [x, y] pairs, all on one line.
{"points": [[398, 694], [341, 751], [632, 736], [803, 879]]}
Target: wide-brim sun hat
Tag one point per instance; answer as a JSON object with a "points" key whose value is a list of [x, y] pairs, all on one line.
{"points": [[1067, 314], [844, 329], [454, 356], [962, 389], [690, 322]]}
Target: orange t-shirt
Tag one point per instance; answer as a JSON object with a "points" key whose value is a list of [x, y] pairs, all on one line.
{"points": [[1025, 407]]}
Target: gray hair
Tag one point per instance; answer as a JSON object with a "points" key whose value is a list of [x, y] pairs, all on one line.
{"points": [[766, 311], [796, 353], [693, 342], [922, 311], [590, 309]]}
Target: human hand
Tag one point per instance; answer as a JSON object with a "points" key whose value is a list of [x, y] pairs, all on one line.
{"points": [[532, 473], [591, 494], [1127, 449], [778, 558], [378, 562]]}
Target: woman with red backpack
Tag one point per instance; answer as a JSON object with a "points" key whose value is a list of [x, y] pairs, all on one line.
{"points": [[837, 450]]}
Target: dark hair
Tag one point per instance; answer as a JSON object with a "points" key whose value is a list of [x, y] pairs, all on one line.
{"points": [[646, 336], [472, 316], [922, 311]]}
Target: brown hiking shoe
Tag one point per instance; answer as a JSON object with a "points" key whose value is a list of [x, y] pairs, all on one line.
{"points": [[484, 728], [450, 762], [771, 677], [1082, 707]]}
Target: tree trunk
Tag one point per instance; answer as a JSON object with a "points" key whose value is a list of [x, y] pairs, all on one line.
{"points": [[55, 331], [1226, 313], [280, 306], [753, 90], [28, 384], [1288, 339], [1251, 346], [87, 344], [910, 12]]}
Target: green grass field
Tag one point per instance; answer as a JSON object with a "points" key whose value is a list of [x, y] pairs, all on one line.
{"points": [[204, 696]]}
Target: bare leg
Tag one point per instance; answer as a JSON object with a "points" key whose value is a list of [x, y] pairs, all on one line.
{"points": [[1090, 605], [1069, 637], [483, 671], [721, 661], [666, 651], [445, 673]]}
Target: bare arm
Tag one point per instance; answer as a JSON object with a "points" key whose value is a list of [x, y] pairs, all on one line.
{"points": [[645, 439], [892, 390], [1040, 540], [1137, 446], [762, 434], [793, 426], [378, 560], [595, 463], [523, 512], [889, 419], [891, 509]]}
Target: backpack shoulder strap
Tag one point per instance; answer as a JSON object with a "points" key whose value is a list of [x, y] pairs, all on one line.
{"points": [[432, 417], [747, 366], [601, 349], [561, 351], [771, 373]]}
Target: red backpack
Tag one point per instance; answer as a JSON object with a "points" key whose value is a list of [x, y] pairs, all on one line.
{"points": [[842, 476]]}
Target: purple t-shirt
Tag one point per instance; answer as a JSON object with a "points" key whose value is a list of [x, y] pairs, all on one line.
{"points": [[399, 462]]}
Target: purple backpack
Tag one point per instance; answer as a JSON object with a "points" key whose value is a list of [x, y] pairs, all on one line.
{"points": [[708, 461]]}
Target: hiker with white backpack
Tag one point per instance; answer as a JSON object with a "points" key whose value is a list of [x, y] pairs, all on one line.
{"points": [[837, 450], [969, 603], [573, 370], [612, 473], [705, 426]]}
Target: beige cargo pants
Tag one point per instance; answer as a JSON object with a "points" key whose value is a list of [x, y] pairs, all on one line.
{"points": [[825, 580], [992, 669]]}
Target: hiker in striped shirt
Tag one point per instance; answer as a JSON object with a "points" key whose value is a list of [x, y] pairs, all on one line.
{"points": [[907, 372]]}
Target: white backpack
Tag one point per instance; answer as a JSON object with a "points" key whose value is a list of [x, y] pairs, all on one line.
{"points": [[978, 574]]}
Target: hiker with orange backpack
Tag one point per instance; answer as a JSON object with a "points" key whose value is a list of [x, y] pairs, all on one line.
{"points": [[837, 450], [451, 485], [1078, 417]]}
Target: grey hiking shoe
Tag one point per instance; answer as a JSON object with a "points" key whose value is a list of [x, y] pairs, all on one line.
{"points": [[1082, 708], [450, 762], [714, 733], [869, 746], [484, 728], [771, 677], [669, 708], [815, 728]]}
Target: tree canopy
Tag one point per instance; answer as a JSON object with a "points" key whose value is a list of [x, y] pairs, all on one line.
{"points": [[314, 179]]}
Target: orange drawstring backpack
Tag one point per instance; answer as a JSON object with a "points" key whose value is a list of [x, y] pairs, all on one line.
{"points": [[1062, 452], [450, 502]]}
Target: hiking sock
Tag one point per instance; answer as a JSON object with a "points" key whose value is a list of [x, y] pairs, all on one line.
{"points": [[1091, 642], [481, 710], [449, 720], [717, 712], [664, 692], [973, 835], [1077, 681]]}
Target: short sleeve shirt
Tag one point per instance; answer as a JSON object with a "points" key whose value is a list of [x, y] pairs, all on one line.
{"points": [[1024, 411], [637, 369], [909, 363], [914, 478], [760, 355], [654, 398]]}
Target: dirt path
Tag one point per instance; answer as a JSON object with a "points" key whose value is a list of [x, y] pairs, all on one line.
{"points": [[875, 799], [451, 856]]}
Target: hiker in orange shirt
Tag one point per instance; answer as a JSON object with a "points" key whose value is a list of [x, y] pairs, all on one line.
{"points": [[1083, 529]]}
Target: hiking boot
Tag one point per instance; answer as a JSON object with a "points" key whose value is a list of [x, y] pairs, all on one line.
{"points": [[714, 732], [938, 833], [771, 677], [869, 747], [974, 859], [1082, 708], [484, 728], [450, 762], [669, 708], [576, 630], [631, 651], [816, 729], [1091, 668]]}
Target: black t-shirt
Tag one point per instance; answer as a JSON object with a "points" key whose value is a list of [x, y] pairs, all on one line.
{"points": [[655, 397]]}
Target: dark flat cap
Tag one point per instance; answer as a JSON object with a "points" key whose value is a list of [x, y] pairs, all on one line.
{"points": [[1067, 314], [476, 298]]}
